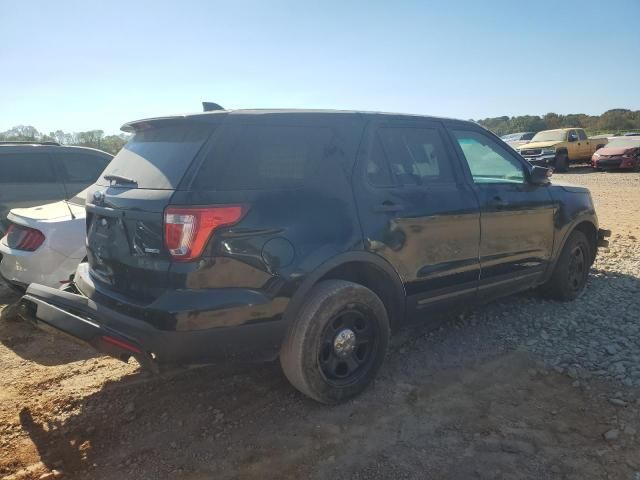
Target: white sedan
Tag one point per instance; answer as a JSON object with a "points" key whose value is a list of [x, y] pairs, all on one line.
{"points": [[44, 244]]}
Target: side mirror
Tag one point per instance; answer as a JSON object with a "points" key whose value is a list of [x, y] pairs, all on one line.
{"points": [[540, 175]]}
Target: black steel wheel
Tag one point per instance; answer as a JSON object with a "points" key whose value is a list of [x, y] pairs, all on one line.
{"points": [[570, 274], [577, 269], [337, 343], [347, 347]]}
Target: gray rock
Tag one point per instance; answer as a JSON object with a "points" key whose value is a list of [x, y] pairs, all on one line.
{"points": [[618, 402], [611, 435]]}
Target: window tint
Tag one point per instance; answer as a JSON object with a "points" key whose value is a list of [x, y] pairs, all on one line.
{"points": [[488, 161], [80, 167], [26, 168], [572, 135], [378, 172], [266, 156], [415, 156], [158, 157], [582, 135], [528, 136]]}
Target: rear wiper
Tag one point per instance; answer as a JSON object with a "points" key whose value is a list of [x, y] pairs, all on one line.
{"points": [[119, 179]]}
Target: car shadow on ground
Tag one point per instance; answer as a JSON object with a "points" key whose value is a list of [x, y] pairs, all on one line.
{"points": [[30, 343]]}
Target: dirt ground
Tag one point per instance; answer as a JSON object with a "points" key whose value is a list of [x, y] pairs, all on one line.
{"points": [[456, 399]]}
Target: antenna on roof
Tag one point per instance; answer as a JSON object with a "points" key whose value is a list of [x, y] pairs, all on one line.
{"points": [[211, 107]]}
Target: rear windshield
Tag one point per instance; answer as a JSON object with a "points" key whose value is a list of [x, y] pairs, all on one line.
{"points": [[247, 157], [158, 157]]}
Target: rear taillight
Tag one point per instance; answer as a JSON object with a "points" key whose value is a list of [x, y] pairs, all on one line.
{"points": [[188, 229], [19, 237]]}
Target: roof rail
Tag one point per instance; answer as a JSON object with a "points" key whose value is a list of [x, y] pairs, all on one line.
{"points": [[27, 142]]}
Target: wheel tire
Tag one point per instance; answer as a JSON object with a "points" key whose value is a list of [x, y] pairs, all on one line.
{"points": [[312, 361], [562, 162], [570, 274]]}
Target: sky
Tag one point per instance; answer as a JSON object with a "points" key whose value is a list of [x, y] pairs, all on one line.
{"points": [[82, 65]]}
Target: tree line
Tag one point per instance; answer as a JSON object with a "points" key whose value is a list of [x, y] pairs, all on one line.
{"points": [[616, 121], [90, 138]]}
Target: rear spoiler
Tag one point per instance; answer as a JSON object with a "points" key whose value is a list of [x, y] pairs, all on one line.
{"points": [[136, 125]]}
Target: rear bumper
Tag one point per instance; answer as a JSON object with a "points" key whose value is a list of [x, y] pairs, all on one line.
{"points": [[122, 336]]}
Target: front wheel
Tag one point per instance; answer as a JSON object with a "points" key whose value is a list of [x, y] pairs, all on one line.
{"points": [[337, 343], [572, 269], [562, 162]]}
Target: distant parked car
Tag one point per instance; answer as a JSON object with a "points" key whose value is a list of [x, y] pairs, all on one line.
{"points": [[557, 148], [44, 244], [632, 134], [38, 173], [621, 152], [516, 139]]}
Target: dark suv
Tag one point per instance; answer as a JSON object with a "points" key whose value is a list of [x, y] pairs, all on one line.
{"points": [[35, 173], [309, 236]]}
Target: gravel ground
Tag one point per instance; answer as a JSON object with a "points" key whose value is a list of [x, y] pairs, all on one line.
{"points": [[520, 388]]}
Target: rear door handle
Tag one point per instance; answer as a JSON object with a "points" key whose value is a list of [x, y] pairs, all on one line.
{"points": [[388, 207]]}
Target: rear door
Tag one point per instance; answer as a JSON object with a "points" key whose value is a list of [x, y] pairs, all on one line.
{"points": [[27, 180], [584, 144], [125, 215], [416, 211], [517, 217], [574, 146]]}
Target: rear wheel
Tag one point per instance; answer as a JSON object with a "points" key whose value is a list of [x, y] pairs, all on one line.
{"points": [[337, 343], [570, 274], [562, 162]]}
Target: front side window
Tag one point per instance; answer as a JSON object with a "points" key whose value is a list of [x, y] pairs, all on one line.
{"points": [[26, 168], [488, 161], [415, 156], [571, 136]]}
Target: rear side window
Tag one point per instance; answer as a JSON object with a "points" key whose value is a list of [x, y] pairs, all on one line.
{"points": [[158, 157], [246, 157], [581, 135], [415, 156], [26, 168], [81, 167]]}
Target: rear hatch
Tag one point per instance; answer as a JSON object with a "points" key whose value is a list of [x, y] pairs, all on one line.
{"points": [[125, 207]]}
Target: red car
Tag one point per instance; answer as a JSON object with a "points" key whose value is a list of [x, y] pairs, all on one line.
{"points": [[622, 152]]}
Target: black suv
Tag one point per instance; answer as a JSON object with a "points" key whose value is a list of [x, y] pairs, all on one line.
{"points": [[309, 236]]}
